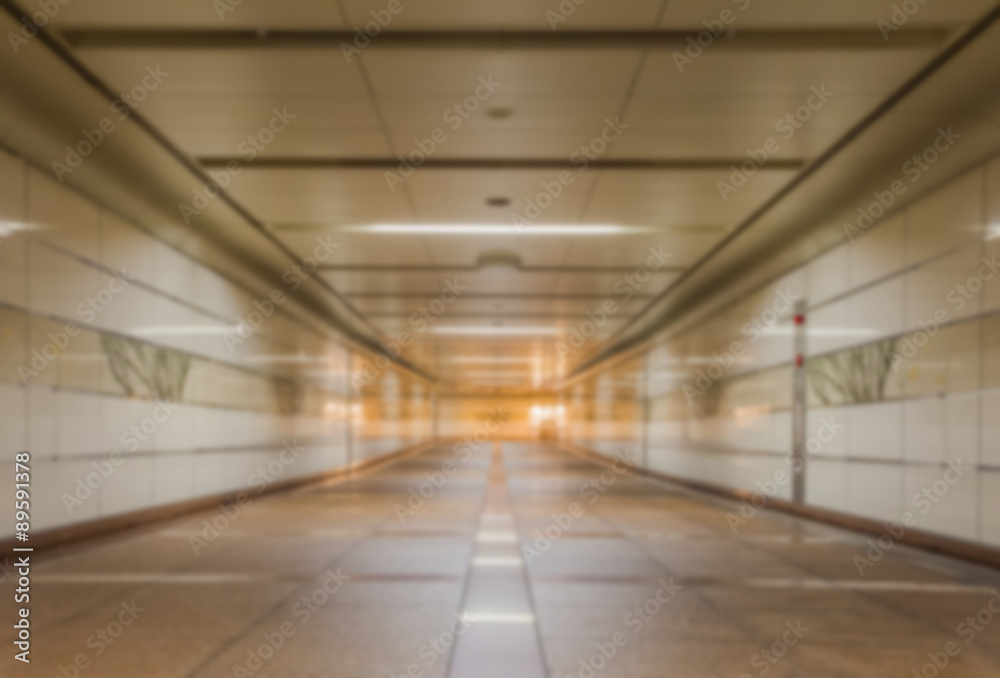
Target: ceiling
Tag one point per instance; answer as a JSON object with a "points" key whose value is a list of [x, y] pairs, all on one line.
{"points": [[325, 175]]}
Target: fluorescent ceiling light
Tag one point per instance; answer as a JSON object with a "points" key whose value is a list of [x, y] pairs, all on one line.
{"points": [[508, 375], [841, 332], [494, 331], [497, 561], [498, 381], [496, 229], [496, 536], [497, 618], [285, 359], [184, 331], [788, 331], [480, 360], [11, 227]]}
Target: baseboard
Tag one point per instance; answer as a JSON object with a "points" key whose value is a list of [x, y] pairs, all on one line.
{"points": [[928, 541], [102, 527]]}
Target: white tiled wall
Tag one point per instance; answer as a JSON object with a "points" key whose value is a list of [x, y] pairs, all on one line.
{"points": [[55, 251], [944, 406]]}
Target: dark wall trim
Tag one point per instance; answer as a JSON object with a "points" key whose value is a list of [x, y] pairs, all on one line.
{"points": [[797, 39], [82, 534], [935, 543], [509, 164]]}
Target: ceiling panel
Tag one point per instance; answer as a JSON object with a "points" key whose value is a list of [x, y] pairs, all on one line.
{"points": [[765, 73], [546, 104], [633, 250], [679, 198], [594, 73], [460, 196], [523, 14], [307, 196], [549, 306], [199, 14], [477, 281], [786, 14], [239, 71]]}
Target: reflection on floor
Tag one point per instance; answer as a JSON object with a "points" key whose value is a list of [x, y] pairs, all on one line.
{"points": [[415, 570]]}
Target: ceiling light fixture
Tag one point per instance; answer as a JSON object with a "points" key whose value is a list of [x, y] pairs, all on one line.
{"points": [[500, 112], [495, 331], [185, 331], [492, 359], [496, 229]]}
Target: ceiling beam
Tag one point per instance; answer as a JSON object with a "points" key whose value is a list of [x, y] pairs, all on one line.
{"points": [[791, 39], [495, 297], [420, 268], [498, 316], [393, 164]]}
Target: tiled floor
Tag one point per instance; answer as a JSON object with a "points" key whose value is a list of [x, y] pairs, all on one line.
{"points": [[642, 580]]}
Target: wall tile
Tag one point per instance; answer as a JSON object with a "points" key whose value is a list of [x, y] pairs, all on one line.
{"points": [[946, 219], [826, 484], [62, 217], [940, 507], [875, 490], [828, 275], [925, 424], [989, 507], [878, 253], [875, 431]]}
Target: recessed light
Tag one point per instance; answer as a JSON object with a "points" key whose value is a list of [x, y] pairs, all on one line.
{"points": [[499, 360], [496, 229], [500, 112], [494, 331]]}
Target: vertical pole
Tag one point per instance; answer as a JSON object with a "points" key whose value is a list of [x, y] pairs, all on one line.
{"points": [[434, 414], [645, 410], [799, 385], [350, 410]]}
